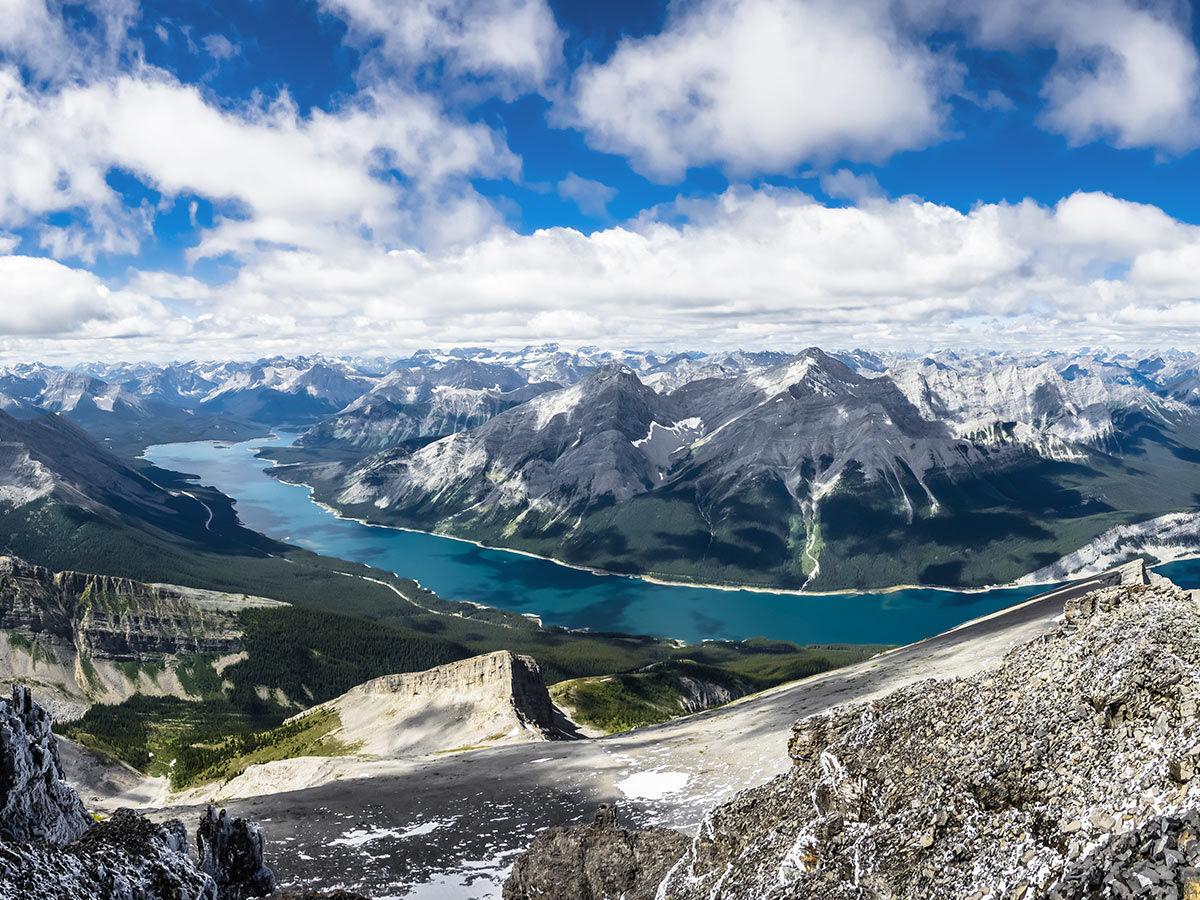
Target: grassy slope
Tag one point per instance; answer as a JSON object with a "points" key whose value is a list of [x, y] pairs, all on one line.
{"points": [[652, 695]]}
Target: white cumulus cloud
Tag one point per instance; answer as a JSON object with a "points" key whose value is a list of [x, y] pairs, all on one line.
{"points": [[1124, 71], [39, 296], [766, 267], [280, 177], [516, 44], [763, 84]]}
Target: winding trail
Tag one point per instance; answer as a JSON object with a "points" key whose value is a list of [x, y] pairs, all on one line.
{"points": [[207, 508]]}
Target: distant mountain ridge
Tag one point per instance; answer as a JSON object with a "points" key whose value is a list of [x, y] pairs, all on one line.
{"points": [[809, 473], [806, 470]]}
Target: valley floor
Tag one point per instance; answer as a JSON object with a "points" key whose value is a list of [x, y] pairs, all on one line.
{"points": [[450, 826]]}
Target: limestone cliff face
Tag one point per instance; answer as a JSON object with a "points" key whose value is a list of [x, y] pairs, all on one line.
{"points": [[73, 631], [495, 698]]}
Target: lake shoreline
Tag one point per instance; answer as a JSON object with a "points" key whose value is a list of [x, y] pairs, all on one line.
{"points": [[649, 579], [564, 595]]}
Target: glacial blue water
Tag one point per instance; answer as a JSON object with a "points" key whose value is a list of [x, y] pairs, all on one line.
{"points": [[577, 599]]}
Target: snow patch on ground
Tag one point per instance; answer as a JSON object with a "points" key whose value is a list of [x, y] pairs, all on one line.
{"points": [[360, 836], [481, 879], [653, 785]]}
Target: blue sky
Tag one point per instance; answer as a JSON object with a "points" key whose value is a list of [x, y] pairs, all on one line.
{"points": [[185, 179]]}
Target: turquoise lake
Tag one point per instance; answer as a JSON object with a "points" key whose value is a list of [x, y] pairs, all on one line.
{"points": [[576, 599]]}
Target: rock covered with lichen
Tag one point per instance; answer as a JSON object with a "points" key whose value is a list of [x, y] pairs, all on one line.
{"points": [[595, 861], [1067, 771]]}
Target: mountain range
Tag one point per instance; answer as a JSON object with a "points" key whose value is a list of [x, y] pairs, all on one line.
{"points": [[813, 473], [815, 470]]}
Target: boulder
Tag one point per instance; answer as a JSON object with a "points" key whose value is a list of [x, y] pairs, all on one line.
{"points": [[599, 861]]}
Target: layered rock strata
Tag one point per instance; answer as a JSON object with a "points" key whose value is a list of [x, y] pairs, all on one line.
{"points": [[83, 635]]}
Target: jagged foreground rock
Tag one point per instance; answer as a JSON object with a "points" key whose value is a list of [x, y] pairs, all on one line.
{"points": [[1046, 776], [36, 804], [51, 849], [595, 861], [231, 851]]}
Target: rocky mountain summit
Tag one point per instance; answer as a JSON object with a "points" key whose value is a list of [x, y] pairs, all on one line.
{"points": [[1067, 771], [50, 848]]}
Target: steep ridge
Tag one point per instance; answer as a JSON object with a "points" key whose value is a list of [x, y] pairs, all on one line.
{"points": [[805, 422], [1069, 770], [398, 410], [1042, 406], [491, 700], [51, 456], [552, 457]]}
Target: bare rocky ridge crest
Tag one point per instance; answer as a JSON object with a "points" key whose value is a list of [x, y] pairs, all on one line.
{"points": [[1067, 771]]}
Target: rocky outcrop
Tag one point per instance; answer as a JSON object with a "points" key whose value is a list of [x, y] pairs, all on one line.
{"points": [[51, 849], [231, 851], [698, 694], [599, 861], [1068, 771], [127, 857], [494, 698], [36, 803]]}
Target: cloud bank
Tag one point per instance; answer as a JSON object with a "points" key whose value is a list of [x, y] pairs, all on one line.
{"points": [[764, 267], [363, 224]]}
